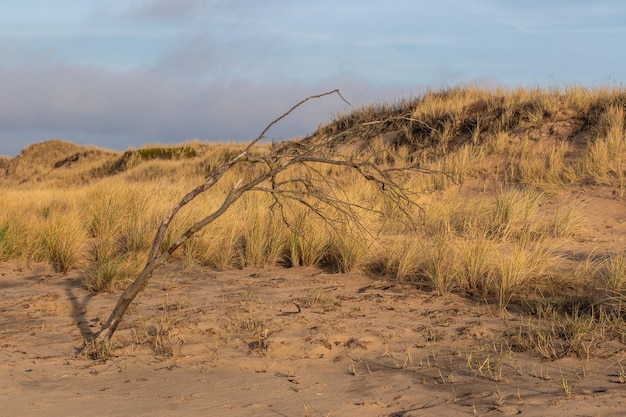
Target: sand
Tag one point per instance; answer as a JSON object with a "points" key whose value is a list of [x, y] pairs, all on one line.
{"points": [[293, 342], [360, 346]]}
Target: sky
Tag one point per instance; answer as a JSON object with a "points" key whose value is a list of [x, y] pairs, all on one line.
{"points": [[124, 73]]}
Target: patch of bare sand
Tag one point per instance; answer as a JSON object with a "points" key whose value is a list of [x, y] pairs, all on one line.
{"points": [[359, 346]]}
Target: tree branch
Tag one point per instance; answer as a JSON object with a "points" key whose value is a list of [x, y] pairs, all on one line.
{"points": [[157, 258]]}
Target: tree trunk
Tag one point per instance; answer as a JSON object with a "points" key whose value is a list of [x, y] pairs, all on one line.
{"points": [[155, 259], [128, 296]]}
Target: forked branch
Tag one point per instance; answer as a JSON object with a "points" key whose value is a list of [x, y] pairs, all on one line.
{"points": [[303, 154]]}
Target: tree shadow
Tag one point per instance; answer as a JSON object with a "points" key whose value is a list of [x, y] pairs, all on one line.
{"points": [[79, 309]]}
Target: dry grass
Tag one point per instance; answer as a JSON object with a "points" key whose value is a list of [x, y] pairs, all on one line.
{"points": [[499, 158]]}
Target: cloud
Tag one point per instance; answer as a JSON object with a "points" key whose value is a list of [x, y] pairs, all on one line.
{"points": [[171, 70], [121, 109], [195, 57], [539, 17], [166, 9], [204, 56], [177, 10]]}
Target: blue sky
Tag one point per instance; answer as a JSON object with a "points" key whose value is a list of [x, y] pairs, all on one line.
{"points": [[123, 73]]}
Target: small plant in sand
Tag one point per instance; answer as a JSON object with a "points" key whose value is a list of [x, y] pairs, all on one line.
{"points": [[161, 336], [621, 374], [254, 331], [565, 385], [559, 335], [320, 298], [97, 351], [487, 367]]}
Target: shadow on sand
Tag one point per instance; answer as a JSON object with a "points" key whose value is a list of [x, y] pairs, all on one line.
{"points": [[79, 309]]}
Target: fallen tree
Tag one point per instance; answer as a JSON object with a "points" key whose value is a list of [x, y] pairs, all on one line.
{"points": [[309, 189]]}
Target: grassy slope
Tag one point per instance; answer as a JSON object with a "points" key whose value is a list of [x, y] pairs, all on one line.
{"points": [[431, 127], [494, 223]]}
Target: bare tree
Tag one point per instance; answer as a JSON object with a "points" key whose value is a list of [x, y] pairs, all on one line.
{"points": [[265, 168]]}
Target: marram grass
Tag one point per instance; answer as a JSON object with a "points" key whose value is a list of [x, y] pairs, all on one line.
{"points": [[496, 158]]}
